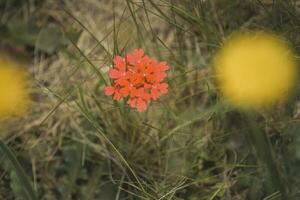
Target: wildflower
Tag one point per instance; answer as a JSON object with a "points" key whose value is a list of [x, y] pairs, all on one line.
{"points": [[255, 70], [138, 78], [14, 94]]}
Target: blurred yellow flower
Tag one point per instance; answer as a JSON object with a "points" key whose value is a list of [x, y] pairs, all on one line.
{"points": [[255, 70], [14, 89]]}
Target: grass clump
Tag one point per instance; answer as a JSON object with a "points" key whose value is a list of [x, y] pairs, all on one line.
{"points": [[79, 144]]}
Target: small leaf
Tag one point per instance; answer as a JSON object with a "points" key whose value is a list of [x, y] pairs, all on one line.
{"points": [[51, 39]]}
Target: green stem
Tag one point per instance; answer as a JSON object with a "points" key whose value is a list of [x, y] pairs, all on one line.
{"points": [[263, 149]]}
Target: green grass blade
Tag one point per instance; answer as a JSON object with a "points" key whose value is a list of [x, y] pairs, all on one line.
{"points": [[99, 42], [265, 153], [22, 176]]}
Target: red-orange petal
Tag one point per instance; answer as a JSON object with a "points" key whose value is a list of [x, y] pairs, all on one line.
{"points": [[141, 105], [163, 66], [155, 94], [114, 74], [138, 53], [147, 86], [117, 96], [132, 102], [131, 59], [160, 76], [109, 90], [124, 91], [122, 82], [119, 63], [146, 97], [133, 92], [151, 78], [163, 87], [135, 57]]}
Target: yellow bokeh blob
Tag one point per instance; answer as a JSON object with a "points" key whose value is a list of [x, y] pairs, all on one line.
{"points": [[255, 69], [14, 89]]}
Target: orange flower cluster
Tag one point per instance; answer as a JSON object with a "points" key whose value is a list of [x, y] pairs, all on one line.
{"points": [[138, 78]]}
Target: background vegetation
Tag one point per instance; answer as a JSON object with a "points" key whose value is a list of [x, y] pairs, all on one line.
{"points": [[76, 143]]}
